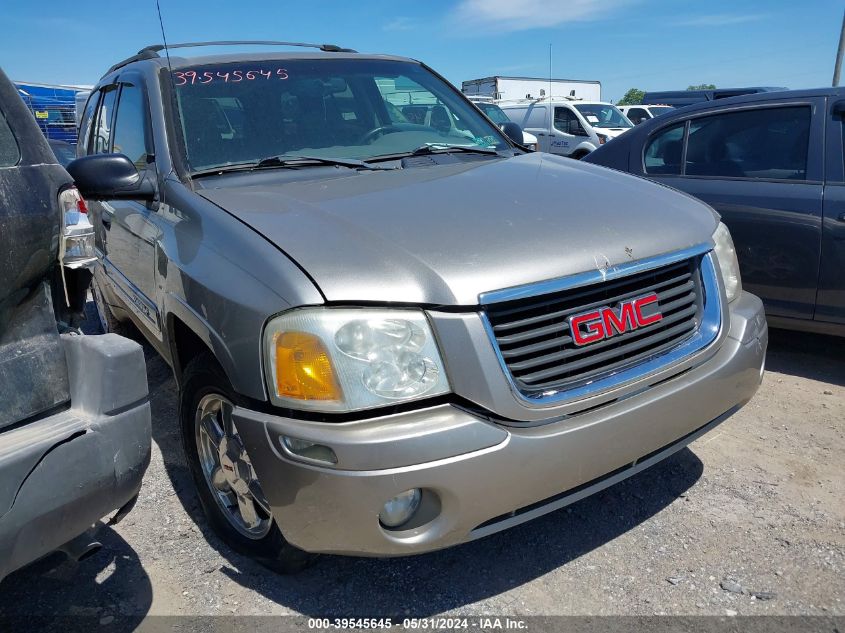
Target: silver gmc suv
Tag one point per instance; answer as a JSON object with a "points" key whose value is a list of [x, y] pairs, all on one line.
{"points": [[393, 329]]}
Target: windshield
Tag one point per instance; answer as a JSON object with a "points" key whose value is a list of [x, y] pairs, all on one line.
{"points": [[601, 115], [658, 110], [493, 112], [241, 113]]}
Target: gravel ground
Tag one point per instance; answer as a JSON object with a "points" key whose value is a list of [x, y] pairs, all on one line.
{"points": [[750, 519]]}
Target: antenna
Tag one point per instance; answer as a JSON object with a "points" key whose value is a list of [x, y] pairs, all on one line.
{"points": [[164, 39], [172, 89], [551, 103]]}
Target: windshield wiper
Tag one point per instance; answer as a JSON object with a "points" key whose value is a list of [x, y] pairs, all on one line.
{"points": [[443, 148], [437, 148], [305, 161], [287, 161]]}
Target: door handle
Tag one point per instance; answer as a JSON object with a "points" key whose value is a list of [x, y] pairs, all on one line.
{"points": [[541, 133]]}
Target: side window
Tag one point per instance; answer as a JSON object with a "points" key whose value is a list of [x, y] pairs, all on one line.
{"points": [[567, 122], [842, 125], [769, 143], [101, 140], [10, 153], [536, 117], [128, 134], [637, 115], [663, 152], [88, 123]]}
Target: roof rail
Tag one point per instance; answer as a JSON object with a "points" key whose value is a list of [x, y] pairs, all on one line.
{"points": [[151, 52]]}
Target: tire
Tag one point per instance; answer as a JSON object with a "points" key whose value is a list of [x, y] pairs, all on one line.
{"points": [[579, 155], [235, 507], [109, 324]]}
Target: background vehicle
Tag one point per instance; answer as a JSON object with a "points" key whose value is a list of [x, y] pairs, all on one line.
{"points": [[497, 115], [510, 88], [370, 319], [679, 98], [639, 113], [74, 420], [53, 108], [578, 127], [772, 165]]}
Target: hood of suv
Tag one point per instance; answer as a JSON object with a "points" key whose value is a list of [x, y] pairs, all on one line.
{"points": [[444, 234]]}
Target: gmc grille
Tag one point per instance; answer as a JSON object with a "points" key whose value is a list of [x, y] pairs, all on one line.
{"points": [[537, 348]]}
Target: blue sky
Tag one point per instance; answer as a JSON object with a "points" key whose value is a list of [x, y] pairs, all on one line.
{"points": [[653, 45]]}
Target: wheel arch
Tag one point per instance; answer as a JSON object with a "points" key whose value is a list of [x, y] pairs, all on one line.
{"points": [[189, 335], [582, 150]]}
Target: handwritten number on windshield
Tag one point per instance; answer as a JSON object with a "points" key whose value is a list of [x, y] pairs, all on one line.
{"points": [[182, 77]]}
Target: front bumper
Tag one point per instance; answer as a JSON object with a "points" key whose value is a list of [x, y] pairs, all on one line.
{"points": [[60, 474], [480, 477]]}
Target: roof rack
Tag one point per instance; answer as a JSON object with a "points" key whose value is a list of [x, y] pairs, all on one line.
{"points": [[151, 52]]}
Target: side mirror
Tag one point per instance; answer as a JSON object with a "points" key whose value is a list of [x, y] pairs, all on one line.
{"points": [[514, 132], [109, 176]]}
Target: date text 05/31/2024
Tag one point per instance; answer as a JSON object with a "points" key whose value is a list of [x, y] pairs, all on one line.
{"points": [[486, 623]]}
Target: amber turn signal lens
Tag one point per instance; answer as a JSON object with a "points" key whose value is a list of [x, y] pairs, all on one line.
{"points": [[303, 368]]}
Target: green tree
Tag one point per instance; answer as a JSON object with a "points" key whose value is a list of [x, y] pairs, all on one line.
{"points": [[633, 97], [702, 87]]}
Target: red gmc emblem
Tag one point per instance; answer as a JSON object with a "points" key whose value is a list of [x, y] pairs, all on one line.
{"points": [[606, 322]]}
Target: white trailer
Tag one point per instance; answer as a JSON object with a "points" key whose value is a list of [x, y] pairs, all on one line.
{"points": [[514, 88]]}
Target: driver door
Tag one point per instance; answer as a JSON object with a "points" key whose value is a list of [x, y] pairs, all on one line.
{"points": [[129, 229], [568, 131]]}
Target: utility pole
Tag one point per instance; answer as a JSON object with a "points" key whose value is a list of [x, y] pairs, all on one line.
{"points": [[838, 67]]}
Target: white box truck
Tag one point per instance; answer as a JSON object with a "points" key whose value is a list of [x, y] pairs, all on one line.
{"points": [[514, 88]]}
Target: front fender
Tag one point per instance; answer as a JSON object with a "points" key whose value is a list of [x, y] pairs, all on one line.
{"points": [[224, 281]]}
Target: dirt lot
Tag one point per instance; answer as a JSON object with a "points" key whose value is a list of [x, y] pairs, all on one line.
{"points": [[755, 507]]}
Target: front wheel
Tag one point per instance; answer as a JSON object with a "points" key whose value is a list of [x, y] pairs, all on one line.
{"points": [[228, 488]]}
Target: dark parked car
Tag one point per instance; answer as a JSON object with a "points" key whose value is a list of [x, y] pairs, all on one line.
{"points": [[772, 165], [74, 418]]}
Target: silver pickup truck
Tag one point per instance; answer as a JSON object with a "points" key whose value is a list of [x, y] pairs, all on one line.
{"points": [[393, 329]]}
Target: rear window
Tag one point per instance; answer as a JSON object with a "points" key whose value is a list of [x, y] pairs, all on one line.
{"points": [[10, 153]]}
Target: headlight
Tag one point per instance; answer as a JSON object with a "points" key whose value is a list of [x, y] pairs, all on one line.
{"points": [[347, 359], [728, 264]]}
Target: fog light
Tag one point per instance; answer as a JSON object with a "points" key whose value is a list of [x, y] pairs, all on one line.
{"points": [[400, 509], [309, 450]]}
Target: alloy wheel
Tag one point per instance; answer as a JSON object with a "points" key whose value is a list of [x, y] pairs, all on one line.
{"points": [[228, 470]]}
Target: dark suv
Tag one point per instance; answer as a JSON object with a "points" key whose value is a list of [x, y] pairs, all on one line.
{"points": [[74, 418], [391, 335]]}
